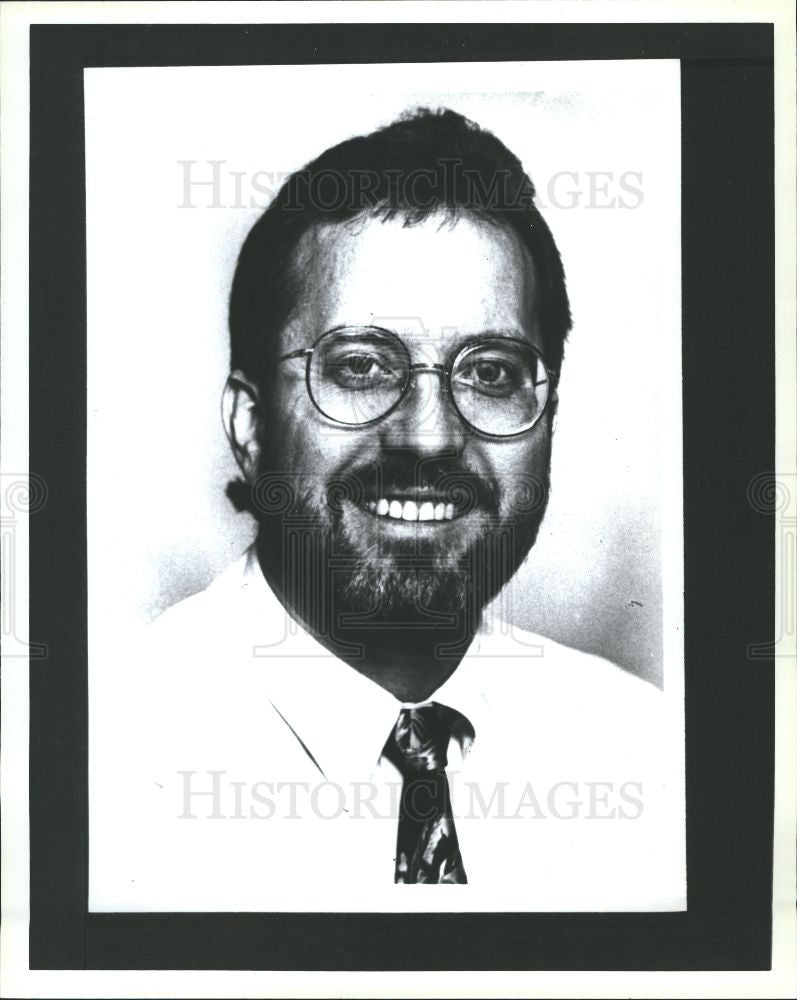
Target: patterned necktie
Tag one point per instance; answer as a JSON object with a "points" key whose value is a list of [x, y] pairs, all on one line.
{"points": [[427, 849]]}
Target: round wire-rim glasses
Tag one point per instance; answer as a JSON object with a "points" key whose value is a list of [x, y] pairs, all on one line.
{"points": [[542, 389]]}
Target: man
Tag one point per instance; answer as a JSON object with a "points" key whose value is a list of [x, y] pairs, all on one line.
{"points": [[336, 714]]}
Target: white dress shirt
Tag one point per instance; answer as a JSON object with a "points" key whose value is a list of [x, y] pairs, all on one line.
{"points": [[235, 764]]}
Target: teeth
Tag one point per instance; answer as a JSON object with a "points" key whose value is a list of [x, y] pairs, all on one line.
{"points": [[409, 510], [426, 512]]}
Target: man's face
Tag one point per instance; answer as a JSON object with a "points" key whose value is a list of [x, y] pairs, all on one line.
{"points": [[436, 286]]}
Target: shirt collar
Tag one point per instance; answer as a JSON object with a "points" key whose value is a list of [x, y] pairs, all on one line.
{"points": [[341, 717]]}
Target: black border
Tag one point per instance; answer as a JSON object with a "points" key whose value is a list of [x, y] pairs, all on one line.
{"points": [[728, 356]]}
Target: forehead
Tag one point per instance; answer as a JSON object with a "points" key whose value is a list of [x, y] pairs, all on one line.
{"points": [[434, 280]]}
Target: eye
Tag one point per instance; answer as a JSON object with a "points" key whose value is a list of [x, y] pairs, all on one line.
{"points": [[358, 364], [360, 370], [492, 376], [491, 372]]}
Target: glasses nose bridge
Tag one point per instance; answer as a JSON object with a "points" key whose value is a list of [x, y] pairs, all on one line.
{"points": [[429, 369], [427, 415], [420, 369]]}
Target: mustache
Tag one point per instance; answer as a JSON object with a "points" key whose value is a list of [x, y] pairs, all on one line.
{"points": [[396, 475], [403, 474]]}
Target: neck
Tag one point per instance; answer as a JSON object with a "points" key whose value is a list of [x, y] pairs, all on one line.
{"points": [[408, 662], [410, 659]]}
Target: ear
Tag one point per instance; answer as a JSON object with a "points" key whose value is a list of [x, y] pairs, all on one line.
{"points": [[240, 410], [553, 411]]}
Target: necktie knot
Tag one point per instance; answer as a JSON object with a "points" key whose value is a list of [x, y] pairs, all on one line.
{"points": [[421, 736], [419, 741]]}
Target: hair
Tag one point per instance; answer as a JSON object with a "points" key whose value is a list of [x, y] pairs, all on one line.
{"points": [[424, 164]]}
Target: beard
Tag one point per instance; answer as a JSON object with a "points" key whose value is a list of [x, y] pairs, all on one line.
{"points": [[340, 566]]}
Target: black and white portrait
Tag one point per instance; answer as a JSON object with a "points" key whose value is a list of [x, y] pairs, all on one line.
{"points": [[397, 490], [384, 484]]}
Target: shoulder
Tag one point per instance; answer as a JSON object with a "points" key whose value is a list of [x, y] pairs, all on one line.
{"points": [[187, 663], [210, 627], [201, 611], [186, 643], [579, 710], [563, 683], [557, 663]]}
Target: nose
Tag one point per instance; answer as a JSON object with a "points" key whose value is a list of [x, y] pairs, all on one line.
{"points": [[425, 420]]}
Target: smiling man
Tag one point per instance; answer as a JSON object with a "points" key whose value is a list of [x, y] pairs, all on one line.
{"points": [[397, 318], [403, 444]]}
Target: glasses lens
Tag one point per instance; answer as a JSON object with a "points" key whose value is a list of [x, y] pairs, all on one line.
{"points": [[500, 387], [357, 374]]}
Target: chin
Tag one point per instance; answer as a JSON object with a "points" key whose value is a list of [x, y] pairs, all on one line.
{"points": [[404, 597]]}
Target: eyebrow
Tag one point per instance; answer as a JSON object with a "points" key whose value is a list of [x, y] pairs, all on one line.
{"points": [[460, 342], [477, 338]]}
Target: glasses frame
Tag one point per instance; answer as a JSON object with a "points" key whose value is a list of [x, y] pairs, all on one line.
{"points": [[445, 371]]}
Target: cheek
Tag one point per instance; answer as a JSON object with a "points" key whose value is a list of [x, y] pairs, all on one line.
{"points": [[521, 470], [297, 442]]}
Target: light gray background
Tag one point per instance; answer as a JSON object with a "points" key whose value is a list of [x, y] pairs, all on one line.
{"points": [[600, 140]]}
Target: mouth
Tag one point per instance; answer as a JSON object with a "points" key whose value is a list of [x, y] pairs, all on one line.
{"points": [[417, 496], [403, 508]]}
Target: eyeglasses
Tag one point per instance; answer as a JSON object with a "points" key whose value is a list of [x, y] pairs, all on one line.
{"points": [[358, 375]]}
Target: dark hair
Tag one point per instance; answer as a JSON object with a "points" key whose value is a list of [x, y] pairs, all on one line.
{"points": [[425, 163]]}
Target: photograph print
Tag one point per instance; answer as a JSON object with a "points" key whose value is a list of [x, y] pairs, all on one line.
{"points": [[384, 480]]}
